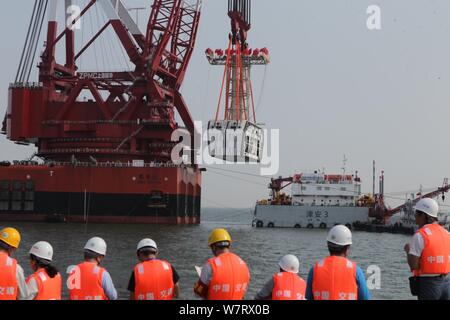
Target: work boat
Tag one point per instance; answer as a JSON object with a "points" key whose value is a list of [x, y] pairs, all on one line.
{"points": [[316, 200]]}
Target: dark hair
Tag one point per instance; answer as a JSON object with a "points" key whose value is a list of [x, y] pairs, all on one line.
{"points": [[428, 219], [146, 251], [88, 254], [51, 270], [336, 249], [222, 245], [4, 246]]}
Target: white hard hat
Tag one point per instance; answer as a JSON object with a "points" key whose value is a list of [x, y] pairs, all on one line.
{"points": [[340, 235], [289, 263], [428, 206], [144, 243], [42, 250], [97, 245]]}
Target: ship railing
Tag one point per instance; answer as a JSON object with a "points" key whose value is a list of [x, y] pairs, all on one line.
{"points": [[26, 85], [99, 164]]}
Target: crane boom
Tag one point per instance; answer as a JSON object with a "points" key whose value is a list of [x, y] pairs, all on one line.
{"points": [[132, 113]]}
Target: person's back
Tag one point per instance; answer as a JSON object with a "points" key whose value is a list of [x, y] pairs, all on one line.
{"points": [[285, 284], [154, 280], [335, 279], [48, 288], [428, 254], [225, 276], [230, 277], [12, 280], [288, 286], [90, 282], [436, 249], [45, 283], [8, 281]]}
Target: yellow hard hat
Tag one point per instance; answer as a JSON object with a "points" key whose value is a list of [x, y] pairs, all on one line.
{"points": [[11, 237], [219, 235]]}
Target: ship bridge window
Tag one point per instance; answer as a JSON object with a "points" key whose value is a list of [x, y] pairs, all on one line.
{"points": [[303, 188], [343, 189], [327, 188], [319, 188]]}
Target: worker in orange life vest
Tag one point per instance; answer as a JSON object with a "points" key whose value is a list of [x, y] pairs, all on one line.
{"points": [[428, 254], [45, 282], [285, 284], [152, 279], [336, 277], [89, 281], [226, 275], [12, 279]]}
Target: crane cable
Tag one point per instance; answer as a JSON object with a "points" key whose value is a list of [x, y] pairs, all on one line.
{"points": [[19, 71], [31, 41]]}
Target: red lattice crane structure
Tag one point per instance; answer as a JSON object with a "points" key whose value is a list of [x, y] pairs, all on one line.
{"points": [[107, 158], [236, 136]]}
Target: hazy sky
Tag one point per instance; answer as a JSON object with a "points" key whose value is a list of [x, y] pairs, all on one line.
{"points": [[333, 88]]}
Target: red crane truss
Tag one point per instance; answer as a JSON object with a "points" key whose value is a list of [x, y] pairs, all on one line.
{"points": [[132, 114]]}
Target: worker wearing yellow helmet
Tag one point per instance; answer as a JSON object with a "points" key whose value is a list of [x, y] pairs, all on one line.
{"points": [[225, 276], [12, 279]]}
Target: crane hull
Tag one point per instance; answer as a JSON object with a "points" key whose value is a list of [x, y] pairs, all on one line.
{"points": [[151, 194]]}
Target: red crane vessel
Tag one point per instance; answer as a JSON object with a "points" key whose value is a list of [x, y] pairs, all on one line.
{"points": [[106, 159]]}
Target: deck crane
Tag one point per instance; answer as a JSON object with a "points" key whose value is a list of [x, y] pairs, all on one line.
{"points": [[236, 137], [382, 213]]}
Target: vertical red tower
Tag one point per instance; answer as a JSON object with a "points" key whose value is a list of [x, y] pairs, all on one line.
{"points": [[235, 136]]}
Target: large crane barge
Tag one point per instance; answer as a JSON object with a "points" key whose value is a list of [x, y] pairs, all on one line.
{"points": [[106, 158]]}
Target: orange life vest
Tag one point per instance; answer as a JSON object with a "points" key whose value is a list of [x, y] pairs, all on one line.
{"points": [[8, 278], [153, 280], [89, 284], [435, 258], [48, 288], [288, 286], [230, 277], [335, 279]]}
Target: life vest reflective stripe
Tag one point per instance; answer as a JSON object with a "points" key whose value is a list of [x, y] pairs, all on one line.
{"points": [[154, 280], [90, 282], [335, 279], [230, 277], [48, 288], [435, 258], [288, 286], [8, 278]]}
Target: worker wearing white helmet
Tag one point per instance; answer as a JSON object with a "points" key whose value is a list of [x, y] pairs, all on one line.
{"points": [[45, 282], [286, 284], [152, 279], [89, 281], [336, 277], [428, 254]]}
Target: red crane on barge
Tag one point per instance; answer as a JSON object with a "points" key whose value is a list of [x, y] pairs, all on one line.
{"points": [[105, 159]]}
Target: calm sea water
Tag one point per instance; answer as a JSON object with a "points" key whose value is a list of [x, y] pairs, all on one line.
{"points": [[186, 247]]}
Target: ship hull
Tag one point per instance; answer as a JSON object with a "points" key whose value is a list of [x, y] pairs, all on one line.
{"points": [[307, 216], [108, 194]]}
